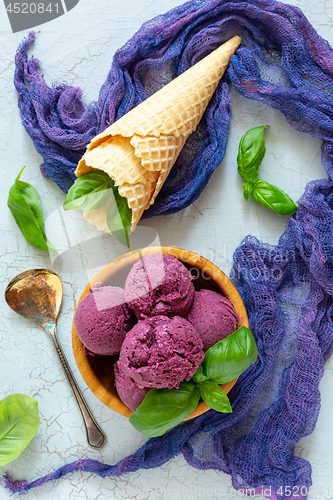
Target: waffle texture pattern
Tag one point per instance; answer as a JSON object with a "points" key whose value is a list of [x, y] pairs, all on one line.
{"points": [[171, 113]]}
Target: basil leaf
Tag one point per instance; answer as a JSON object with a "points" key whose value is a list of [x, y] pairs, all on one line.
{"points": [[119, 218], [163, 409], [230, 357], [25, 206], [274, 198], [199, 376], [91, 191], [214, 396], [251, 152], [19, 422], [248, 188], [31, 196]]}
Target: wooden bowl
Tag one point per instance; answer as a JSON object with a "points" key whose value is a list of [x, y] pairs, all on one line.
{"points": [[97, 371]]}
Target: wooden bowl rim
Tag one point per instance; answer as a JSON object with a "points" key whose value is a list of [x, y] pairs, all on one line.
{"points": [[129, 258]]}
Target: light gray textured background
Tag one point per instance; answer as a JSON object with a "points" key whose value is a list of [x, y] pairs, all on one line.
{"points": [[77, 48]]}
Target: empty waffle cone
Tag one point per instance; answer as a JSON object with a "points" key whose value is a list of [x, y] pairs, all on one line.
{"points": [[139, 150]]}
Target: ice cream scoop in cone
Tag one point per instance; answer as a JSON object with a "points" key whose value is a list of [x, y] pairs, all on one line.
{"points": [[139, 150]]}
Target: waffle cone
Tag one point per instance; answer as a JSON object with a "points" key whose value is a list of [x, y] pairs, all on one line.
{"points": [[139, 150]]}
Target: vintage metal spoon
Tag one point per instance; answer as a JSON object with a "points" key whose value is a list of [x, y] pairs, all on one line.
{"points": [[36, 295]]}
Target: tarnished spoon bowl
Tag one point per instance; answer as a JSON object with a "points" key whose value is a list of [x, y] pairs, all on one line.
{"points": [[37, 295]]}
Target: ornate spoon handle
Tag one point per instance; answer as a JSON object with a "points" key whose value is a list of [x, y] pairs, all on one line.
{"points": [[95, 435]]}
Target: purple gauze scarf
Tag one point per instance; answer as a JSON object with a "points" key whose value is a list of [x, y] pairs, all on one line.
{"points": [[287, 289]]}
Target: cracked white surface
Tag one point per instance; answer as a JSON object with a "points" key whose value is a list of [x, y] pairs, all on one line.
{"points": [[78, 48]]}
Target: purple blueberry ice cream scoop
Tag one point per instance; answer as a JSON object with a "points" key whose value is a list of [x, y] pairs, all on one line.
{"points": [[102, 320], [128, 390], [157, 285], [161, 352], [213, 316]]}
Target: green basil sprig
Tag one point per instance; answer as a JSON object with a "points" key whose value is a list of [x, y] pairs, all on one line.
{"points": [[251, 152], [92, 191], [24, 203], [163, 409], [19, 422]]}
